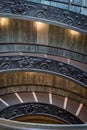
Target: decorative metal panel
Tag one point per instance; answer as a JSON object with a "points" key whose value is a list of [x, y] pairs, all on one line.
{"points": [[24, 109]]}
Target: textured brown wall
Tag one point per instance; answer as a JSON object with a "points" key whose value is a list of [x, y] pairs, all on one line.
{"points": [[34, 81], [20, 31]]}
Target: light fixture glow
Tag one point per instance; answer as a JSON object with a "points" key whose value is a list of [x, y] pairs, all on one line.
{"points": [[40, 26], [39, 23], [3, 19], [74, 32]]}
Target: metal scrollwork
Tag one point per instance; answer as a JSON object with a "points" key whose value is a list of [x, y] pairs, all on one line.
{"points": [[19, 9], [23, 109], [10, 63], [46, 13]]}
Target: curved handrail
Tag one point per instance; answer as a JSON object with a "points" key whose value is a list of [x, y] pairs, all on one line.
{"points": [[43, 49], [67, 5], [25, 9], [23, 63], [13, 125]]}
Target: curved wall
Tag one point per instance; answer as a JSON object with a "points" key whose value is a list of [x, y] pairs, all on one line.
{"points": [[21, 31], [34, 81]]}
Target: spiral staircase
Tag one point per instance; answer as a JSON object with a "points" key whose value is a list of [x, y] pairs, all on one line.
{"points": [[43, 64]]}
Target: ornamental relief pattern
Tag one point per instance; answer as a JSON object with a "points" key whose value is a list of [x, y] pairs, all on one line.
{"points": [[10, 63], [19, 110], [44, 12]]}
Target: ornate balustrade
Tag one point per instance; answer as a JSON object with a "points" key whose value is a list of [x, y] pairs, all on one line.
{"points": [[20, 63], [26, 109]]}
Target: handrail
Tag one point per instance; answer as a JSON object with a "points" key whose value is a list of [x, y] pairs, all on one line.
{"points": [[70, 3], [43, 49], [13, 125]]}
